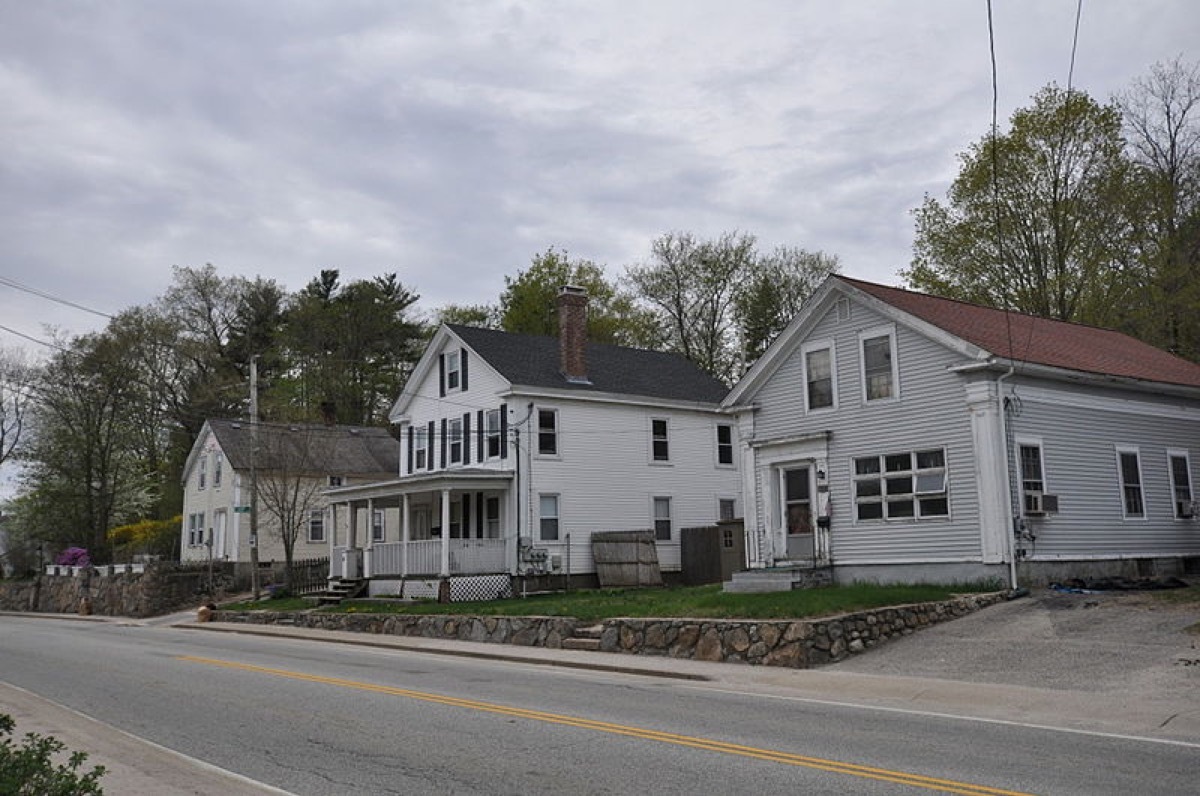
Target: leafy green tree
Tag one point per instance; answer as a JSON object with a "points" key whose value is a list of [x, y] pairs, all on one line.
{"points": [[351, 346], [528, 304], [483, 316], [1049, 235], [692, 286], [774, 290], [1161, 114]]}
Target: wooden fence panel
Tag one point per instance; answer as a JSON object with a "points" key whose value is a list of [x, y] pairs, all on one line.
{"points": [[626, 559]]}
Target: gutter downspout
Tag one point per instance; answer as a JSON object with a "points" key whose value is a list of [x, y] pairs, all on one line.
{"points": [[1010, 519]]}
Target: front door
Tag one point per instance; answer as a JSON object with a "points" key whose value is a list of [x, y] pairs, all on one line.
{"points": [[796, 490]]}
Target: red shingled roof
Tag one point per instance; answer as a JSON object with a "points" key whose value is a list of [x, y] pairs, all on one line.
{"points": [[1040, 341]]}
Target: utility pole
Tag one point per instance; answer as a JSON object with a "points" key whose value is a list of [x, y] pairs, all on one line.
{"points": [[254, 475]]}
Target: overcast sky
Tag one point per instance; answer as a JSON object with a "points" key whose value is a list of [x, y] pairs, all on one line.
{"points": [[451, 141]]}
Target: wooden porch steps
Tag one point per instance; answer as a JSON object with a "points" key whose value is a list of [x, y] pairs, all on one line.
{"points": [[584, 638], [342, 589]]}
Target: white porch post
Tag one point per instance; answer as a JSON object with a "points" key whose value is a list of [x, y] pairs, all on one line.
{"points": [[404, 534], [335, 566], [445, 573], [369, 542], [352, 531]]}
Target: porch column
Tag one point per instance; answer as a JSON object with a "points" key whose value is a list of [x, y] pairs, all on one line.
{"points": [[334, 564], [352, 532], [445, 573], [404, 534]]}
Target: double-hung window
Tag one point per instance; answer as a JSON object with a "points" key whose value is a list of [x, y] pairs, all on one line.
{"points": [[218, 466], [662, 519], [196, 528], [548, 511], [456, 441], [1129, 468], [453, 371], [420, 444], [202, 475], [724, 444], [659, 441], [493, 433], [547, 429], [818, 377], [378, 529], [1181, 483], [1033, 479], [878, 357], [316, 525]]}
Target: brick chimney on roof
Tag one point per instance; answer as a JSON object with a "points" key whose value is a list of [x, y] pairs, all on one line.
{"points": [[572, 333]]}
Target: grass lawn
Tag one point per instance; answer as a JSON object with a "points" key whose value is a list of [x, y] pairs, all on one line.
{"points": [[691, 602]]}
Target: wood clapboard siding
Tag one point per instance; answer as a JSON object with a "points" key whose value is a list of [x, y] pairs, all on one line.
{"points": [[1080, 462], [606, 480], [930, 413]]}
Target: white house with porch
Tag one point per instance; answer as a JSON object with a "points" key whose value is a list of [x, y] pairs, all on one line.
{"points": [[515, 449]]}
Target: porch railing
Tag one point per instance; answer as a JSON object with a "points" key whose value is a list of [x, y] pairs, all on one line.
{"points": [[467, 557]]}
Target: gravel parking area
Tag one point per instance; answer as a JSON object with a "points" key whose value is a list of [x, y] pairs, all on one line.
{"points": [[1129, 643]]}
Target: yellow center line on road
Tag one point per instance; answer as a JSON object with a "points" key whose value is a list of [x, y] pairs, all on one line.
{"points": [[706, 744]]}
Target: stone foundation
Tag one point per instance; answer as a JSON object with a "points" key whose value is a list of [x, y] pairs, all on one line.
{"points": [[794, 643]]}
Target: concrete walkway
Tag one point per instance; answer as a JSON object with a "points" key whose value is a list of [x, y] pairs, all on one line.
{"points": [[1117, 667]]}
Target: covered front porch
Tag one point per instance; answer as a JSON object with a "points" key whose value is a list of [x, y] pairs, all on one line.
{"points": [[433, 525]]}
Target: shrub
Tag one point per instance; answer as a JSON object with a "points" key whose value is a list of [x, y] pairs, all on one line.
{"points": [[74, 557], [29, 770]]}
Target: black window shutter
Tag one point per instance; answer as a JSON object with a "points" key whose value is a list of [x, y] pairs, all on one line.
{"points": [[465, 531], [466, 438], [479, 529], [462, 366], [443, 443], [429, 447], [503, 431], [479, 434], [411, 435], [442, 375]]}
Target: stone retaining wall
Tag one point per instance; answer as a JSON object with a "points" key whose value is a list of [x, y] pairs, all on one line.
{"points": [[161, 589], [795, 643]]}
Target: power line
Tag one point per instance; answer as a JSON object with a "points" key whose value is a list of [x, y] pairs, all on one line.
{"points": [[31, 339], [1074, 46], [50, 297]]}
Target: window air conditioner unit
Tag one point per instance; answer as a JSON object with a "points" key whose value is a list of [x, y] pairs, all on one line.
{"points": [[1038, 504]]}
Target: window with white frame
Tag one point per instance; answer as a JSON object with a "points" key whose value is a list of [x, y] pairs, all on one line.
{"points": [[818, 377], [724, 444], [218, 467], [316, 525], [726, 508], [202, 474], [907, 485], [879, 372], [662, 519], [336, 480], [547, 432], [548, 513], [1129, 469], [491, 517], [453, 370], [196, 528], [1033, 477], [378, 529], [1180, 466], [420, 443], [660, 445], [456, 440], [493, 433]]}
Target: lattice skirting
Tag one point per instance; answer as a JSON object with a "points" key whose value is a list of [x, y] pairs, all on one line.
{"points": [[463, 589]]}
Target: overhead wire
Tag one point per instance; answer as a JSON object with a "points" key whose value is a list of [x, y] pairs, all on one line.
{"points": [[4, 280]]}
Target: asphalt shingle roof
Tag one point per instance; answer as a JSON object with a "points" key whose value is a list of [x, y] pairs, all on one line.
{"points": [[533, 361], [335, 450], [1041, 341]]}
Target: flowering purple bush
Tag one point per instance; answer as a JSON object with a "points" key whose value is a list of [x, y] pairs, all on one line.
{"points": [[74, 557]]}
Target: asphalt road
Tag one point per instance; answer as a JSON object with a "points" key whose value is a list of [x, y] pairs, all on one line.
{"points": [[314, 718]]}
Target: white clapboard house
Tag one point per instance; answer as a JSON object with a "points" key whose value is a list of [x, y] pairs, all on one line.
{"points": [[296, 463], [515, 449], [890, 435]]}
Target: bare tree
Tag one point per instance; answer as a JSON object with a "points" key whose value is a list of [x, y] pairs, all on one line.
{"points": [[289, 482], [16, 377]]}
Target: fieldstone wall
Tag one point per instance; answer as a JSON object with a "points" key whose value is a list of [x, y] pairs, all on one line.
{"points": [[794, 643], [524, 631], [161, 589]]}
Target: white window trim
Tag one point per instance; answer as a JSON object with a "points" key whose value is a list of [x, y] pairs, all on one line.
{"points": [[1180, 453], [309, 527], [1133, 449], [490, 433], [917, 516], [451, 436], [381, 525], [721, 499], [420, 446], [820, 345], [558, 508], [888, 330], [537, 445], [455, 371], [733, 457], [202, 472], [1029, 442], [667, 439], [218, 468], [670, 517]]}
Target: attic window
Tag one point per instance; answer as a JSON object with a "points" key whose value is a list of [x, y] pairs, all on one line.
{"points": [[453, 374], [878, 360], [843, 309]]}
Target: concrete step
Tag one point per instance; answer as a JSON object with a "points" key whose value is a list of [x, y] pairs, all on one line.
{"points": [[576, 643], [594, 631]]}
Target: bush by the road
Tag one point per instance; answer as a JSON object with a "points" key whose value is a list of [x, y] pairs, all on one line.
{"points": [[30, 770]]}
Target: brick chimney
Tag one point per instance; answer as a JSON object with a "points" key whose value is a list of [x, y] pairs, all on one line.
{"points": [[572, 333]]}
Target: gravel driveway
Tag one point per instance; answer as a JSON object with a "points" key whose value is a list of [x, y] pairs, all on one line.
{"points": [[1127, 643]]}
